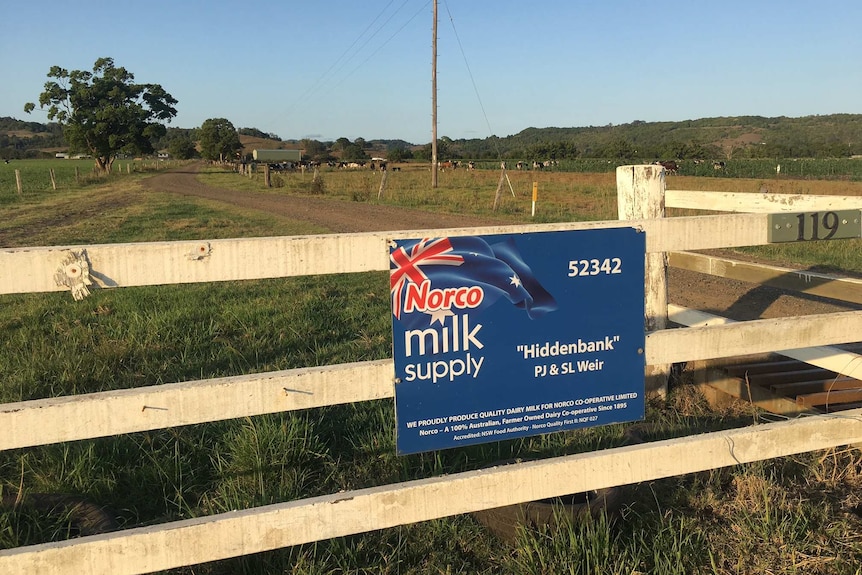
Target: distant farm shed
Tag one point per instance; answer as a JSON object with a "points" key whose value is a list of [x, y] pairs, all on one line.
{"points": [[276, 155]]}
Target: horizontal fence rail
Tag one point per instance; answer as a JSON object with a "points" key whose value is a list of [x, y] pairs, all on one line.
{"points": [[834, 359], [758, 202], [87, 416], [804, 281], [34, 269], [211, 538], [154, 548]]}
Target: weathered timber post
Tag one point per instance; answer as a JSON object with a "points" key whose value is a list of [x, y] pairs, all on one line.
{"points": [[640, 196], [382, 184], [18, 181], [266, 180], [53, 179], [500, 186]]}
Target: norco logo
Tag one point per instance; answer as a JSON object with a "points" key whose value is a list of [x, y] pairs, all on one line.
{"points": [[420, 297]]}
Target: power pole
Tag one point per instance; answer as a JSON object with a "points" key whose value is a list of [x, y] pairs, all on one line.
{"points": [[434, 102]]}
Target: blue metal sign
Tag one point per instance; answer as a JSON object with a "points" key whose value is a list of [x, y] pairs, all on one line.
{"points": [[504, 336]]}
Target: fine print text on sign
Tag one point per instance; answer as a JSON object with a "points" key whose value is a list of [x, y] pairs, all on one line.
{"points": [[504, 336]]}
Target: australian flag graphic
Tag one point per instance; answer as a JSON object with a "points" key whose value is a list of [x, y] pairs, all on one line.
{"points": [[458, 262]]}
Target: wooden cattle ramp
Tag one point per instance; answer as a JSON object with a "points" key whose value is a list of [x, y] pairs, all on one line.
{"points": [[784, 385], [823, 380]]}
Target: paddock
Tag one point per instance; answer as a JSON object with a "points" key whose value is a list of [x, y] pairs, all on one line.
{"points": [[642, 199]]}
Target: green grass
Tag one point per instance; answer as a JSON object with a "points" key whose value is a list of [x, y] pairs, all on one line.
{"points": [[562, 196], [800, 168], [838, 256], [120, 213], [790, 515], [35, 176]]}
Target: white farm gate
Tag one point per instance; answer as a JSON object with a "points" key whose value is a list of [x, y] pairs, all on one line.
{"points": [[204, 539]]}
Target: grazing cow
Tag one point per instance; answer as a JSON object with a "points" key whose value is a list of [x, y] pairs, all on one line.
{"points": [[471, 165], [520, 165], [447, 164], [718, 165], [670, 166]]}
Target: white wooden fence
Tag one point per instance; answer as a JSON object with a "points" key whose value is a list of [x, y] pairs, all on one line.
{"points": [[203, 539]]}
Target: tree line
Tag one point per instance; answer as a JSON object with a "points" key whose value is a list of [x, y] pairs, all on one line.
{"points": [[106, 114]]}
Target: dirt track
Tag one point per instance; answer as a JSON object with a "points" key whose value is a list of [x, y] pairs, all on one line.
{"points": [[337, 216], [738, 300]]}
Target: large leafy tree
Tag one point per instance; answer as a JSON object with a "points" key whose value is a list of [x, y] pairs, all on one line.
{"points": [[181, 147], [219, 140], [104, 112]]}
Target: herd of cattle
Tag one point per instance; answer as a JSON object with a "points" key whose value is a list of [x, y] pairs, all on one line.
{"points": [[670, 166], [310, 165]]}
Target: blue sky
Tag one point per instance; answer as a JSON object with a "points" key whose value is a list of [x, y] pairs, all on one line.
{"points": [[353, 69]]}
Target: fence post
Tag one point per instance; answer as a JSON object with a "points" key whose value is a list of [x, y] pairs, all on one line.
{"points": [[18, 181], [640, 195], [499, 186], [53, 179], [382, 184], [266, 180]]}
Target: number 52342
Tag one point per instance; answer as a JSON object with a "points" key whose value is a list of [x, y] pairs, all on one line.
{"points": [[594, 267]]}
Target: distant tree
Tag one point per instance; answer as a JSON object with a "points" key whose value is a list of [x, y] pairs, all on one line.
{"points": [[340, 144], [395, 154], [398, 152], [443, 151], [834, 150], [353, 152], [361, 143], [314, 150], [182, 148], [423, 153], [617, 149], [255, 133], [104, 113], [218, 139]]}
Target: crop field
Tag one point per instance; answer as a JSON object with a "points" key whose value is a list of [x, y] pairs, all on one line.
{"points": [[786, 516], [798, 169]]}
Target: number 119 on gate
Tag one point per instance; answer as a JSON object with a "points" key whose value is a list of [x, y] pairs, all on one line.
{"points": [[809, 226]]}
